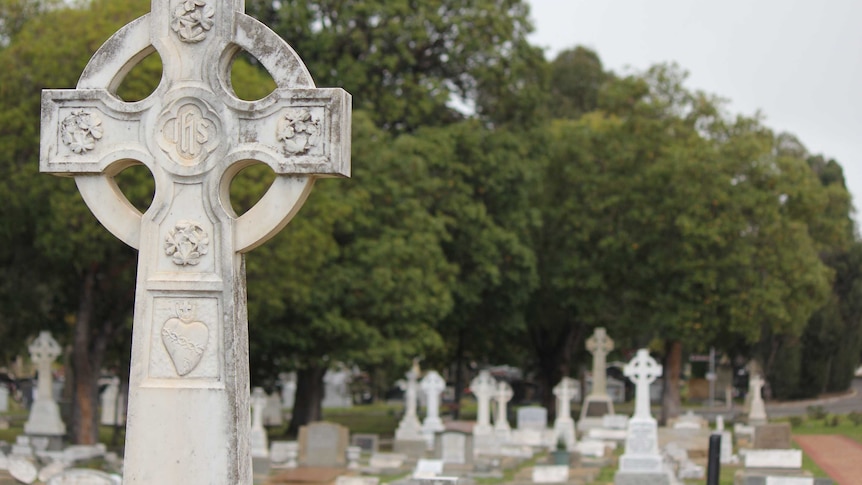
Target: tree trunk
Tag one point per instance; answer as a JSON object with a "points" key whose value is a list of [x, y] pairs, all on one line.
{"points": [[309, 396], [671, 403], [84, 425]]}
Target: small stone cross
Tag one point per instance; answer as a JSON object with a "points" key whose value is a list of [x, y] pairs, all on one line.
{"points": [[643, 371], [757, 408], [502, 395], [564, 391], [188, 389], [43, 352], [433, 385], [599, 345], [483, 387]]}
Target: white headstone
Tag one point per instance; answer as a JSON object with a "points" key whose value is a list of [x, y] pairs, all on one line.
{"points": [[773, 459], [432, 385], [4, 398], [757, 413], [350, 480], [483, 387], [259, 444], [336, 389], [272, 412], [532, 417], [642, 453], [52, 469], [387, 460], [409, 428], [113, 404], [779, 480], [188, 401], [564, 425], [551, 474], [426, 468], [502, 396], [598, 402], [288, 389], [44, 416], [454, 448]]}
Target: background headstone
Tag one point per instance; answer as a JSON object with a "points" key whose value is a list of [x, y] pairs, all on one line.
{"points": [[323, 444], [432, 385]]}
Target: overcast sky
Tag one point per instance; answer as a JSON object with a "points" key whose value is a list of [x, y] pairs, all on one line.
{"points": [[798, 62]]}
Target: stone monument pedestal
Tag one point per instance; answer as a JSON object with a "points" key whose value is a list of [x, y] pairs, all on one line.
{"points": [[593, 411]]}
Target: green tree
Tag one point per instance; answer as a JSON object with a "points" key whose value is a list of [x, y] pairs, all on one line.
{"points": [[406, 61]]}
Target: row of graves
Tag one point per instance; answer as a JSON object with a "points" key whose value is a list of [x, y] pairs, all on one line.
{"points": [[433, 450]]}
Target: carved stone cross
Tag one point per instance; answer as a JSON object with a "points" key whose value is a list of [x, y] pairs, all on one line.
{"points": [[503, 394], [44, 418], [599, 345], [189, 389], [642, 370], [483, 387]]}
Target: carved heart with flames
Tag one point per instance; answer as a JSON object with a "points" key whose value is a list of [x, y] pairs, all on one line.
{"points": [[185, 340]]}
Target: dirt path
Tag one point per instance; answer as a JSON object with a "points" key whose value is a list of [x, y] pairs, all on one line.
{"points": [[838, 456]]}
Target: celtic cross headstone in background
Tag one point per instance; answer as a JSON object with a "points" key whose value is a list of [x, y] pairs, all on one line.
{"points": [[189, 384]]}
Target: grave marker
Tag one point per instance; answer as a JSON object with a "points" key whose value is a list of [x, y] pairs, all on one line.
{"points": [[757, 412], [483, 387], [564, 425], [433, 385], [502, 395], [44, 418], [598, 403], [189, 364], [409, 428], [641, 462]]}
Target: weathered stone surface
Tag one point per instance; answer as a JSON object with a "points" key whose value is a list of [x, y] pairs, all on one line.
{"points": [[81, 476], [774, 436], [598, 403], [551, 474], [564, 425], [22, 469], [409, 428], [433, 386], [188, 399], [323, 444]]}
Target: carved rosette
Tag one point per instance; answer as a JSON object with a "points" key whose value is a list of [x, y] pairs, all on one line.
{"points": [[186, 243], [192, 20], [299, 131], [81, 130], [184, 338]]}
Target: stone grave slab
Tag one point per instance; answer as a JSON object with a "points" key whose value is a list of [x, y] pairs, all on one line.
{"points": [[774, 436], [773, 459], [385, 461], [426, 468], [22, 469], [551, 474], [351, 480], [83, 476], [52, 469], [307, 475], [532, 417], [454, 447], [323, 444], [615, 421]]}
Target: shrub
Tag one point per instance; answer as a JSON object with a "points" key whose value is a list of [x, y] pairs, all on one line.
{"points": [[816, 412]]}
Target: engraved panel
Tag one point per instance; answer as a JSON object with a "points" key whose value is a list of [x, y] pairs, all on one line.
{"points": [[185, 338]]}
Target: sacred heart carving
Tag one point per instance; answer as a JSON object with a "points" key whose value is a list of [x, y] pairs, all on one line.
{"points": [[185, 341]]}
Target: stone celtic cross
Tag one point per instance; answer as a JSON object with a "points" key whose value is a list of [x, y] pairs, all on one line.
{"points": [[483, 387], [44, 418], [599, 345], [643, 370], [189, 384], [503, 394]]}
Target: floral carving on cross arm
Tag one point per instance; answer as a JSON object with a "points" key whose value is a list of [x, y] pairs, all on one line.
{"points": [[299, 131], [192, 20], [186, 243], [81, 130]]}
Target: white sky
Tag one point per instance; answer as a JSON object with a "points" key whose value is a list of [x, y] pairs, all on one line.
{"points": [[798, 62]]}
